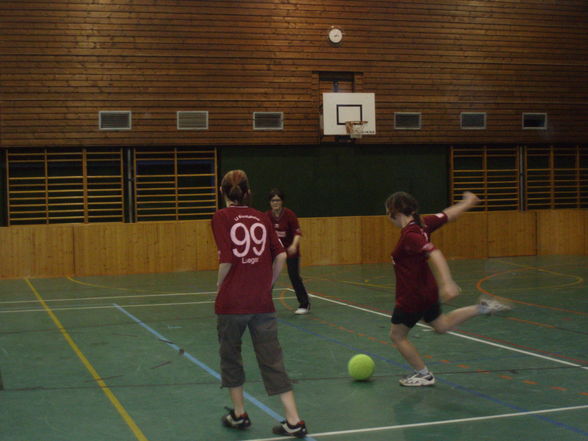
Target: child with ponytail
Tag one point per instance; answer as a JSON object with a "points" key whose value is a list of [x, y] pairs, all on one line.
{"points": [[423, 280], [251, 258]]}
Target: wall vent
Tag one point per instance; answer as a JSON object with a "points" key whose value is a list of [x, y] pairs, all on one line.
{"points": [[192, 120], [535, 121], [114, 120], [407, 120], [268, 120], [473, 120]]}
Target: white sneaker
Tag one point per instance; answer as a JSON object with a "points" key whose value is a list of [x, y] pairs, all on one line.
{"points": [[418, 380], [491, 306], [301, 311]]}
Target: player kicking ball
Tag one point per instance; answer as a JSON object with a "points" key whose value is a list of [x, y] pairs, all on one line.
{"points": [[423, 280]]}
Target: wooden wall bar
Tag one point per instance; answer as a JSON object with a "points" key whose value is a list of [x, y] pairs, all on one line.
{"points": [[151, 247], [65, 60]]}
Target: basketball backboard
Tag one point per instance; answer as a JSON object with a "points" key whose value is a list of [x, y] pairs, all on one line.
{"points": [[338, 108]]}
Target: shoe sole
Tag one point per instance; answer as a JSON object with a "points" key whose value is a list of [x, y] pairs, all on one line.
{"points": [[432, 383]]}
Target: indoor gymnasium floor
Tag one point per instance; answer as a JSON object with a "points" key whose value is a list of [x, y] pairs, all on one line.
{"points": [[135, 358]]}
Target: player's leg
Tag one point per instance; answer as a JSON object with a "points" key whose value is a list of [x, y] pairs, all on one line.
{"points": [[399, 336], [446, 322], [402, 323], [264, 334], [285, 427], [230, 328], [293, 264]]}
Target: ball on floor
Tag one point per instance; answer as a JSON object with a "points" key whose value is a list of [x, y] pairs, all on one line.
{"points": [[361, 367]]}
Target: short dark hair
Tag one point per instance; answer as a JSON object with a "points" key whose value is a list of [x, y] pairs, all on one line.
{"points": [[275, 192]]}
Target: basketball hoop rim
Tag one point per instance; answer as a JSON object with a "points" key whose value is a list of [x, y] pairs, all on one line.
{"points": [[355, 128]]}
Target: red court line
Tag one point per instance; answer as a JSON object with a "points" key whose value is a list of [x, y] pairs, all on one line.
{"points": [[520, 302]]}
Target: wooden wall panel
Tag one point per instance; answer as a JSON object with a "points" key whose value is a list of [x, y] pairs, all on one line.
{"points": [[151, 247], [378, 238], [512, 233], [147, 247], [64, 60], [560, 232], [467, 237], [36, 251], [329, 241]]}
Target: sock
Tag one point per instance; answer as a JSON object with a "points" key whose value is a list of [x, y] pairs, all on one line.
{"points": [[424, 372]]}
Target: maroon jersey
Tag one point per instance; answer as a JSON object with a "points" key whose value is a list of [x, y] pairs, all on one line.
{"points": [[286, 225], [416, 288], [247, 240]]}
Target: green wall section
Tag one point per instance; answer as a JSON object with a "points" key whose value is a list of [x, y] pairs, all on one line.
{"points": [[342, 179]]}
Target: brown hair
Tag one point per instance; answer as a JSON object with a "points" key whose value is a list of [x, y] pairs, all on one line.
{"points": [[401, 202], [275, 192], [235, 186]]}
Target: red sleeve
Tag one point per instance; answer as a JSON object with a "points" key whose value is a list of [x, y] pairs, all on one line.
{"points": [[434, 221], [294, 225], [222, 239]]}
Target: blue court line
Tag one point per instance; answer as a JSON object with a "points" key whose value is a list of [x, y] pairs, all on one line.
{"points": [[450, 383], [197, 362]]}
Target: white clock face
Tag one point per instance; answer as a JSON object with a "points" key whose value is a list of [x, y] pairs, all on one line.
{"points": [[335, 35]]}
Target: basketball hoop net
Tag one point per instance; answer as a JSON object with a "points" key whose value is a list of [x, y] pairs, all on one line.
{"points": [[355, 128]]}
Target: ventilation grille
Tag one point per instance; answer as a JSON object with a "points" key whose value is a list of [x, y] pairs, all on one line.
{"points": [[407, 120], [268, 120], [192, 120], [115, 120], [473, 120], [536, 121]]}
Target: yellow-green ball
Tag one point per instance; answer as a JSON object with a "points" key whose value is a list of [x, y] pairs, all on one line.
{"points": [[361, 367]]}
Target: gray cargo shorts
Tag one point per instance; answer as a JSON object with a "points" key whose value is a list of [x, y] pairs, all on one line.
{"points": [[264, 335]]}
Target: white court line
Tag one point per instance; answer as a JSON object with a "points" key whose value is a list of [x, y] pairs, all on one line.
{"points": [[171, 294], [83, 308], [479, 340], [435, 423]]}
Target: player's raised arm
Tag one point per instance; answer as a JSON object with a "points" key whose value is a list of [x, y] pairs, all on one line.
{"points": [[468, 201]]}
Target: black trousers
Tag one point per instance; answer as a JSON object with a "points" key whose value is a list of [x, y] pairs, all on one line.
{"points": [[293, 264]]}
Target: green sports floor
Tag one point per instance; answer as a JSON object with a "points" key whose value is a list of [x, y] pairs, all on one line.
{"points": [[135, 357]]}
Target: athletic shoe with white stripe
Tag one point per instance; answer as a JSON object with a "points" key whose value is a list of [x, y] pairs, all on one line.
{"points": [[418, 380], [236, 422], [297, 430]]}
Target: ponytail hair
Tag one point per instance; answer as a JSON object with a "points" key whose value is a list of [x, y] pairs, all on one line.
{"points": [[235, 187], [401, 202]]}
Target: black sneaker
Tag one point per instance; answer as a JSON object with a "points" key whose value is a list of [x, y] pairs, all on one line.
{"points": [[231, 420], [298, 430]]}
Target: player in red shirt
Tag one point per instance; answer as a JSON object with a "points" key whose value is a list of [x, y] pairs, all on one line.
{"points": [[286, 224], [251, 258], [423, 280]]}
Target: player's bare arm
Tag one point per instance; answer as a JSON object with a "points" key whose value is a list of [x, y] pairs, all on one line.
{"points": [[448, 289], [468, 201]]}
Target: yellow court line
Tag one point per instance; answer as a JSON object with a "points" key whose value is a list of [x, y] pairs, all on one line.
{"points": [[93, 285], [117, 404]]}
